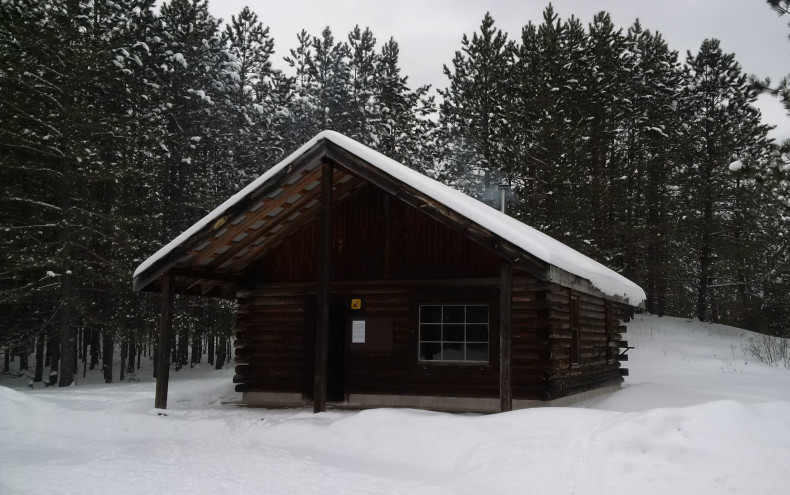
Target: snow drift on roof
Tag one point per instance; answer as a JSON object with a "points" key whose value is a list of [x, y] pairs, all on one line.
{"points": [[527, 238]]}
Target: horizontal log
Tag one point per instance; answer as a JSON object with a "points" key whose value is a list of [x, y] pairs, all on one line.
{"points": [[272, 350], [595, 338], [529, 297], [273, 303], [274, 359], [529, 282], [579, 370], [294, 320], [274, 362], [263, 339], [557, 394], [535, 344], [533, 366], [571, 382], [274, 375], [270, 386]]}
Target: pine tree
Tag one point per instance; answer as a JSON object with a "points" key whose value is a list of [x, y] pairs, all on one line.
{"points": [[302, 111], [551, 126], [473, 111], [405, 131], [250, 134], [651, 131], [330, 72], [68, 124], [364, 112], [723, 126], [322, 96], [782, 90]]}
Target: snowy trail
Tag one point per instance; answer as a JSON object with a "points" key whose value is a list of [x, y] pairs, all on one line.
{"points": [[695, 416]]}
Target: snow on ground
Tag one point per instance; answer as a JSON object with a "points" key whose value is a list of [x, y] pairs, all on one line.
{"points": [[696, 416]]}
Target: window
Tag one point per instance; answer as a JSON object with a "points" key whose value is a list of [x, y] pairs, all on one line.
{"points": [[575, 331], [454, 333]]}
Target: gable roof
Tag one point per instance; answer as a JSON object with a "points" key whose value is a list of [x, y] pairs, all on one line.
{"points": [[285, 196]]}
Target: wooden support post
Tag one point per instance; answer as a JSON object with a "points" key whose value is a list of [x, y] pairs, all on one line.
{"points": [[165, 330], [324, 269], [505, 299]]}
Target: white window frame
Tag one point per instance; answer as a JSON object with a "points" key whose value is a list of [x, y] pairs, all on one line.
{"points": [[465, 342]]}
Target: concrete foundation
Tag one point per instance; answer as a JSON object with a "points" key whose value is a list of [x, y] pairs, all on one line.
{"points": [[434, 403]]}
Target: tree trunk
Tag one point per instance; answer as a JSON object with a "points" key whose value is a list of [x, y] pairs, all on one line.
{"points": [[156, 355], [140, 345], [86, 335], [197, 350], [6, 359], [68, 344], [706, 245], [94, 349], [54, 359], [228, 348], [39, 373], [23, 353], [107, 352], [124, 345], [173, 348], [130, 366], [183, 348], [210, 350], [220, 353]]}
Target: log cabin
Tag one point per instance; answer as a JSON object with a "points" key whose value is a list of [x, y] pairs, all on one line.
{"points": [[362, 283]]}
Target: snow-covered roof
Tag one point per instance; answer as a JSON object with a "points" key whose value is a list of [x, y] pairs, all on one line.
{"points": [[536, 243]]}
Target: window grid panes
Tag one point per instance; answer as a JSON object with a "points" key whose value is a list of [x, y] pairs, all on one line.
{"points": [[454, 333]]}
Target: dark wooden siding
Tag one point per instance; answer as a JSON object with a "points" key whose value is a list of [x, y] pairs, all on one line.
{"points": [[597, 365], [274, 342], [401, 372], [275, 332], [535, 345], [378, 237], [395, 257]]}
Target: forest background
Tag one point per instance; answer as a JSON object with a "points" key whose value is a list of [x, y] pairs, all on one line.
{"points": [[122, 124]]}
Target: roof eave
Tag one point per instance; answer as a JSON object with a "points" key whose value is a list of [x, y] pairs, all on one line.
{"points": [[143, 280], [580, 284]]}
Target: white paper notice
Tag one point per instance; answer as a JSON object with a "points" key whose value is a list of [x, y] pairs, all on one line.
{"points": [[358, 331]]}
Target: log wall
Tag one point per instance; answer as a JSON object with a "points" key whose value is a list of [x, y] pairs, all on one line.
{"points": [[275, 332], [395, 258], [274, 343], [600, 330]]}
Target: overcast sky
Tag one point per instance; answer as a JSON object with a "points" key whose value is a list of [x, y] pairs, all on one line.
{"points": [[429, 31]]}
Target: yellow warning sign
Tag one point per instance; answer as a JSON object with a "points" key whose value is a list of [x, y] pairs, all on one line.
{"points": [[356, 304]]}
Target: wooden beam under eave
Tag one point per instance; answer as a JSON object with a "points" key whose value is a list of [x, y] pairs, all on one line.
{"points": [[290, 228], [262, 214], [505, 340], [324, 270], [165, 330]]}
